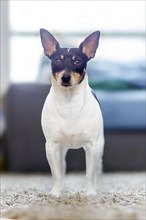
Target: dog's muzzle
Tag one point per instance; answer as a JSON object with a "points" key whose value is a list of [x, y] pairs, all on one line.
{"points": [[65, 79]]}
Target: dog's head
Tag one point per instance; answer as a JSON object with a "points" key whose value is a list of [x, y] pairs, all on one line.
{"points": [[69, 65]]}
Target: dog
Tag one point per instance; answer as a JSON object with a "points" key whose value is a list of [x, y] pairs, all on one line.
{"points": [[71, 115]]}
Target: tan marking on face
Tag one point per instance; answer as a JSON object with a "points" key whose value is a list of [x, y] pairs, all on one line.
{"points": [[77, 77], [57, 76]]}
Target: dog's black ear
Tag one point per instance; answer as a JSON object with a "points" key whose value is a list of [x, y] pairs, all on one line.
{"points": [[90, 44], [49, 43]]}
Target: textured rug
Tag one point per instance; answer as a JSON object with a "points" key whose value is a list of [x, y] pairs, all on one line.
{"points": [[122, 196]]}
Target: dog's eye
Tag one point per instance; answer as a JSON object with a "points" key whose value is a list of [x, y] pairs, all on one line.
{"points": [[77, 62], [58, 61]]}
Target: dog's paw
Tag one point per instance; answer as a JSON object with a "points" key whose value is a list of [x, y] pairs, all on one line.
{"points": [[55, 192]]}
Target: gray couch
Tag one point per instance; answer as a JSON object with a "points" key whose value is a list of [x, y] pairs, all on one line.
{"points": [[25, 144]]}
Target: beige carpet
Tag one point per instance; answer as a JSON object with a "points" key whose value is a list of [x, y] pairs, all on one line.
{"points": [[122, 196]]}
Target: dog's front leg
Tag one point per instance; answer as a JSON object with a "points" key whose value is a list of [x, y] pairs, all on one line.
{"points": [[53, 153], [91, 160]]}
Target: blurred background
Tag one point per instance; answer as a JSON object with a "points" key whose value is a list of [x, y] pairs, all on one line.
{"points": [[117, 74]]}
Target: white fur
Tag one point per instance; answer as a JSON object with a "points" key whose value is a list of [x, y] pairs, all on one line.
{"points": [[71, 118]]}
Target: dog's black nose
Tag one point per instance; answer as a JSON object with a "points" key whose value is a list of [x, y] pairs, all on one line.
{"points": [[66, 78]]}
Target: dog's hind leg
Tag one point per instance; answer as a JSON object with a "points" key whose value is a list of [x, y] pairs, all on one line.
{"points": [[54, 156]]}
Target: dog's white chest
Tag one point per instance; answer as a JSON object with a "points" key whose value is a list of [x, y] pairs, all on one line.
{"points": [[71, 124]]}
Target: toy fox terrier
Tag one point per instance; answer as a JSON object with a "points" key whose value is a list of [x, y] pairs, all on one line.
{"points": [[71, 116]]}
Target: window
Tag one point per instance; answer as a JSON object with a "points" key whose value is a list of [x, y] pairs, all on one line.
{"points": [[120, 22]]}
